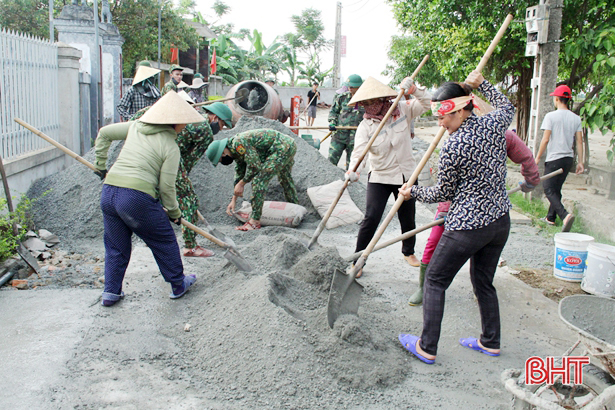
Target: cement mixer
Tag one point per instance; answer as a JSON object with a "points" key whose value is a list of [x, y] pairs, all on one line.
{"points": [[262, 100]]}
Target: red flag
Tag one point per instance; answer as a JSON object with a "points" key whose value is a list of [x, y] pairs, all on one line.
{"points": [[213, 66], [174, 55]]}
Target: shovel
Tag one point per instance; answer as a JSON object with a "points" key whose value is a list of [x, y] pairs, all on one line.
{"points": [[345, 293], [214, 232], [21, 249], [240, 95], [231, 252], [323, 222], [430, 225]]}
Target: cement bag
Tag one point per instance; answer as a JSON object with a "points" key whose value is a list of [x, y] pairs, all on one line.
{"points": [[345, 212], [274, 213]]}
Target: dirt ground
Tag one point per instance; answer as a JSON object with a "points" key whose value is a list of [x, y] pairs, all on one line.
{"points": [[260, 339]]}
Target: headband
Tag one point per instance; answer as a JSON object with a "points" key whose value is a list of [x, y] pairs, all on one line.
{"points": [[449, 106]]}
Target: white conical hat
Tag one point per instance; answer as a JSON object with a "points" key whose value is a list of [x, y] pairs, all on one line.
{"points": [[144, 72], [185, 96], [182, 85], [481, 107], [372, 88], [171, 109]]}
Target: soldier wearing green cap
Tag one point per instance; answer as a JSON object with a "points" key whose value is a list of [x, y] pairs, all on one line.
{"points": [[343, 115], [193, 141], [259, 155], [176, 73]]}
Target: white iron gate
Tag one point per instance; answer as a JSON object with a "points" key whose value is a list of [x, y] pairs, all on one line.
{"points": [[28, 90]]}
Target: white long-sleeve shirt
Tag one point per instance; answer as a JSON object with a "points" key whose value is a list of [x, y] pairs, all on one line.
{"points": [[390, 156]]}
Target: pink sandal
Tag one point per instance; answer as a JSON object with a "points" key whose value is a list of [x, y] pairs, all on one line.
{"points": [[198, 252], [248, 227]]}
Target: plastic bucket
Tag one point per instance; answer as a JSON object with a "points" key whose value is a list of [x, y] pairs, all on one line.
{"points": [[599, 276], [570, 255], [310, 140]]}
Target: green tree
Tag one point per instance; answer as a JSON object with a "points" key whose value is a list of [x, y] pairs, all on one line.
{"points": [[310, 38], [288, 54], [28, 16], [456, 32]]}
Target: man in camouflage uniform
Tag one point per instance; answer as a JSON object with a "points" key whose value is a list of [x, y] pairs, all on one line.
{"points": [[193, 141], [259, 155], [176, 73], [343, 115]]}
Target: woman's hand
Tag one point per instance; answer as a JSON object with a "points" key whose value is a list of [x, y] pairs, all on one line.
{"points": [[404, 191], [475, 78]]}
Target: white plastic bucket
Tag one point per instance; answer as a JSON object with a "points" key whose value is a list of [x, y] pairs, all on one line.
{"points": [[570, 255], [599, 276]]}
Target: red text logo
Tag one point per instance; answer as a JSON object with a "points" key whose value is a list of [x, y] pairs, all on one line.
{"points": [[539, 370], [573, 260]]}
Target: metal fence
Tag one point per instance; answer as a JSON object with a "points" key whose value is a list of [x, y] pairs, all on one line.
{"points": [[28, 90]]}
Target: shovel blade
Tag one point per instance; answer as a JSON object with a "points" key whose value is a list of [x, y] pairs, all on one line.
{"points": [[344, 296], [27, 257], [238, 261]]}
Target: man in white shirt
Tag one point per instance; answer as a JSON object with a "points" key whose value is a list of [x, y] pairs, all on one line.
{"points": [[561, 128]]}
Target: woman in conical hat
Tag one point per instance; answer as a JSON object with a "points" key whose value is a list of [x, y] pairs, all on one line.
{"points": [[137, 187], [390, 157], [143, 92]]}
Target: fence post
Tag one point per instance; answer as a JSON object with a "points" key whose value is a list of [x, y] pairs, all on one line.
{"points": [[68, 98]]}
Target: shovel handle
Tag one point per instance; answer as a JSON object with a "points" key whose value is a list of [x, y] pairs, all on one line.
{"points": [[326, 136], [320, 127], [205, 234], [359, 264], [542, 179], [57, 144]]}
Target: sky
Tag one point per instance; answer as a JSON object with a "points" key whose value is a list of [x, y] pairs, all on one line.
{"points": [[367, 24]]}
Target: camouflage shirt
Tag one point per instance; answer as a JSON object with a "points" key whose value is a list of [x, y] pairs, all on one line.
{"points": [[343, 115], [258, 151], [168, 87]]}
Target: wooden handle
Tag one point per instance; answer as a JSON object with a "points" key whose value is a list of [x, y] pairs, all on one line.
{"points": [[359, 264], [56, 144], [205, 234], [316, 127], [542, 178], [326, 136]]}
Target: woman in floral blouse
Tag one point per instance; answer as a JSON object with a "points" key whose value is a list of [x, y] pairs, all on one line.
{"points": [[472, 175]]}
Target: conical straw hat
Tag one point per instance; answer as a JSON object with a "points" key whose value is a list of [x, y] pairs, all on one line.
{"points": [[144, 72], [171, 109], [182, 85], [372, 88], [481, 107], [185, 96]]}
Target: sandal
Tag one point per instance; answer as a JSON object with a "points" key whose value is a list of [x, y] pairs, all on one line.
{"points": [[248, 226], [177, 291], [109, 299], [472, 343], [409, 343], [547, 221], [567, 223], [198, 252]]}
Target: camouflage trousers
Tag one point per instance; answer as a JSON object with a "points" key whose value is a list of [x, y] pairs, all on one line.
{"points": [[338, 146], [260, 183], [188, 204]]}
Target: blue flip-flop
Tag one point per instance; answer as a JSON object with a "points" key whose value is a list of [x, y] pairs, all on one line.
{"points": [[472, 343], [181, 290], [409, 343], [110, 299]]}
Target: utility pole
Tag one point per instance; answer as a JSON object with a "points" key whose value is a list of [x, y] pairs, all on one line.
{"points": [[159, 35], [51, 36], [545, 73], [337, 54]]}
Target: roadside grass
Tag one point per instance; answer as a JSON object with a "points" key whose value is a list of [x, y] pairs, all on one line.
{"points": [[537, 209]]}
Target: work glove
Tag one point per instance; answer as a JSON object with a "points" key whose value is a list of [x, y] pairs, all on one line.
{"points": [[351, 176], [406, 83], [525, 187], [177, 221], [101, 173], [332, 127], [442, 215]]}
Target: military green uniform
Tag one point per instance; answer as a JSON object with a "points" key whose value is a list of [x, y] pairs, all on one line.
{"points": [[168, 87], [343, 115], [259, 155], [192, 141]]}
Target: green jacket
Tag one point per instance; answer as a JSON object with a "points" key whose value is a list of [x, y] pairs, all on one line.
{"points": [[148, 161]]}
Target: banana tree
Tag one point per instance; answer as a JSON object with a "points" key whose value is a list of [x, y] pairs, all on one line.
{"points": [[261, 58], [288, 54]]}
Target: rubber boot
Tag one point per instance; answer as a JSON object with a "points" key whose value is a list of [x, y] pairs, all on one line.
{"points": [[417, 297]]}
